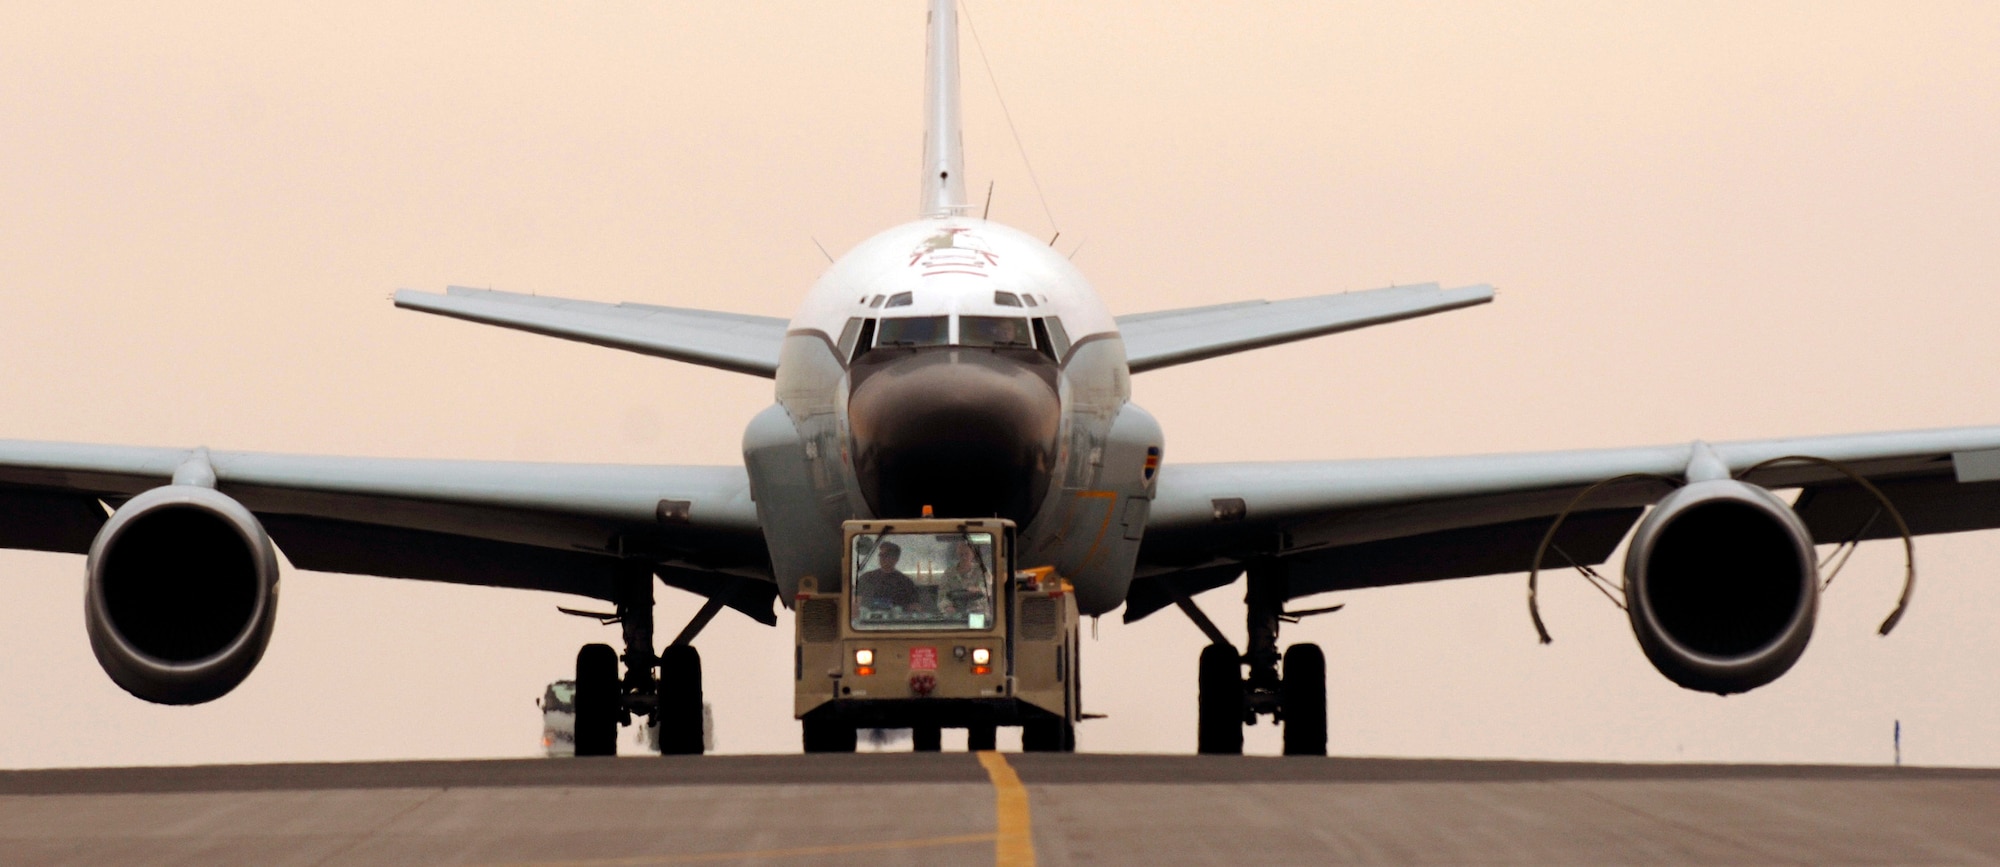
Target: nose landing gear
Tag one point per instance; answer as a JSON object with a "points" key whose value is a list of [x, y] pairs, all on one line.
{"points": [[1291, 688]]}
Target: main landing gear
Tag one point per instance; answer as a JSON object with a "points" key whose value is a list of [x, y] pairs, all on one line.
{"points": [[671, 701], [1291, 688]]}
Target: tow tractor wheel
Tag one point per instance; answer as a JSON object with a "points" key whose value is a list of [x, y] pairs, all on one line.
{"points": [[1053, 735], [597, 699], [1219, 717], [980, 737], [1305, 700], [927, 739], [680, 701], [827, 736]]}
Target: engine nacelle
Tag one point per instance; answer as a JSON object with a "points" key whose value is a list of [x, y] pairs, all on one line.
{"points": [[1722, 586], [183, 589]]}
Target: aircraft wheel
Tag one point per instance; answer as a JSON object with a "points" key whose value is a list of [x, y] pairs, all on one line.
{"points": [[1048, 736], [680, 701], [927, 739], [827, 736], [597, 700], [1305, 700], [1219, 717], [980, 737]]}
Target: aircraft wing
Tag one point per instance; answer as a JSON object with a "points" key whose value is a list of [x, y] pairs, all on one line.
{"points": [[568, 528], [1168, 337], [1342, 525], [731, 341]]}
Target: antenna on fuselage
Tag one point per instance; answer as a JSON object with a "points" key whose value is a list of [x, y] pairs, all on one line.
{"points": [[944, 138]]}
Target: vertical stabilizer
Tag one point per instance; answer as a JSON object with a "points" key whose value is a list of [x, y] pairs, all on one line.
{"points": [[944, 145]]}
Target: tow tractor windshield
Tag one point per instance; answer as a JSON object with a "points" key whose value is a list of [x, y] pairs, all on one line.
{"points": [[923, 581]]}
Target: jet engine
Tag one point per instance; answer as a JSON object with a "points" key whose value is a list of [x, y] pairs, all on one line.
{"points": [[183, 589], [1722, 586]]}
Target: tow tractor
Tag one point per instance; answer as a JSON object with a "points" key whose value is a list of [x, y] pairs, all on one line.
{"points": [[930, 627]]}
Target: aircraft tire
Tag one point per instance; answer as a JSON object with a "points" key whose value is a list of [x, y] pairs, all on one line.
{"points": [[1305, 700], [680, 701], [825, 736], [1219, 717], [1056, 735], [597, 699], [981, 737], [926, 739]]}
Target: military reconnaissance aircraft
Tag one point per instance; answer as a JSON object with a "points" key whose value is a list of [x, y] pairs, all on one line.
{"points": [[957, 365]]}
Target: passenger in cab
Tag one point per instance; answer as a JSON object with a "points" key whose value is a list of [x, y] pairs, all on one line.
{"points": [[965, 589]]}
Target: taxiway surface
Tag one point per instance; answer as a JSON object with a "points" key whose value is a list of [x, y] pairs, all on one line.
{"points": [[951, 808]]}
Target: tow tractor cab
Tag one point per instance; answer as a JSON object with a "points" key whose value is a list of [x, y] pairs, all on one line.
{"points": [[930, 627], [558, 704]]}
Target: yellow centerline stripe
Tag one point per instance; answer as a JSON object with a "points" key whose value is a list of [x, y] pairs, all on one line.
{"points": [[750, 854], [1014, 844]]}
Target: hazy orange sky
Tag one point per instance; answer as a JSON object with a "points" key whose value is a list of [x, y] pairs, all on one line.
{"points": [[1708, 221]]}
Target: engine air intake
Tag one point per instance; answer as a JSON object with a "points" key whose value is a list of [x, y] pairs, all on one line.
{"points": [[1722, 586]]}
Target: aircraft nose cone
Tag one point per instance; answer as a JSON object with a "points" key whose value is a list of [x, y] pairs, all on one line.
{"points": [[967, 432]]}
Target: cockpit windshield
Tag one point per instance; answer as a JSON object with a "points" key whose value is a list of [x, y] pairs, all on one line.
{"points": [[923, 581], [1001, 331], [912, 331]]}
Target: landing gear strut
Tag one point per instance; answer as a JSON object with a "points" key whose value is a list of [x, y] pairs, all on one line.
{"points": [[1288, 687], [672, 701]]}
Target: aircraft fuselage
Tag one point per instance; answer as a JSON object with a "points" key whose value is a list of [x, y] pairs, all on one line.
{"points": [[962, 365]]}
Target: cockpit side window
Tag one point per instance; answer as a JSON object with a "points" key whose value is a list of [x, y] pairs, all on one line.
{"points": [[913, 331], [1042, 341], [1006, 299], [847, 336], [864, 340], [999, 331], [901, 299], [1054, 341]]}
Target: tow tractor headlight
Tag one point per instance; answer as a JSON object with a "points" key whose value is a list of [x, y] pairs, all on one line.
{"points": [[981, 656], [864, 656]]}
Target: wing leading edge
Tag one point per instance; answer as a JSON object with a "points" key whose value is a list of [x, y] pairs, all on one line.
{"points": [[1169, 337], [569, 528], [730, 341], [1340, 525]]}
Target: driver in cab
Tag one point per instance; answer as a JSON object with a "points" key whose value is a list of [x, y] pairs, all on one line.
{"points": [[886, 586]]}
